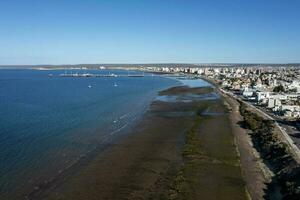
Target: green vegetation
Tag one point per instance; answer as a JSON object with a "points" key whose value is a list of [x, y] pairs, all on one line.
{"points": [[234, 79], [192, 146], [191, 151], [279, 88], [210, 168], [275, 154]]}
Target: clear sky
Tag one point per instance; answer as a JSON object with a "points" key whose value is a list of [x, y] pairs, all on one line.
{"points": [[152, 31]]}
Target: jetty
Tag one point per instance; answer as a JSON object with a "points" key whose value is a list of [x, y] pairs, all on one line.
{"points": [[77, 75]]}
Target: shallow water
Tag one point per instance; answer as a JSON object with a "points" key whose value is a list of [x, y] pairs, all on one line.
{"points": [[195, 83], [187, 98], [144, 163], [48, 123]]}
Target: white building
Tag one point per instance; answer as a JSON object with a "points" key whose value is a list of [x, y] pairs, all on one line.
{"points": [[290, 111], [273, 102], [262, 95], [294, 85], [247, 92]]}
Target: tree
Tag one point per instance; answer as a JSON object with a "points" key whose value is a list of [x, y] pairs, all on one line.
{"points": [[278, 88]]}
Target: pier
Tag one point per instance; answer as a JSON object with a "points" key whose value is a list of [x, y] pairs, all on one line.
{"points": [[76, 75], [88, 75]]}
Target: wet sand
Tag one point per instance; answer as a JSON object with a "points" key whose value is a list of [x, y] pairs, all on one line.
{"points": [[143, 164]]}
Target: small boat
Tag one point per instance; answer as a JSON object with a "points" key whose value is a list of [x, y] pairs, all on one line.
{"points": [[115, 85], [112, 75], [89, 86]]}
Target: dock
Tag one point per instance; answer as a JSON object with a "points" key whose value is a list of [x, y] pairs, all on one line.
{"points": [[76, 75], [111, 75]]}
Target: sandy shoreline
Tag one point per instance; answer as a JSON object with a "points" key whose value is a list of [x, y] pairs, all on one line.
{"points": [[143, 164], [250, 160]]}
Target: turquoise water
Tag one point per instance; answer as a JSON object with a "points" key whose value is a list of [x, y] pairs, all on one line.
{"points": [[48, 123]]}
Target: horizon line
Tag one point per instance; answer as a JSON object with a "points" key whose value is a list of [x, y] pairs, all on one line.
{"points": [[158, 63]]}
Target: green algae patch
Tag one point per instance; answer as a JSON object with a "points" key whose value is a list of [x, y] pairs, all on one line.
{"points": [[210, 168], [192, 146]]}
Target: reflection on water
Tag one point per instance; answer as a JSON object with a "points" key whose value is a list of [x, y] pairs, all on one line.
{"points": [[189, 97], [195, 83]]}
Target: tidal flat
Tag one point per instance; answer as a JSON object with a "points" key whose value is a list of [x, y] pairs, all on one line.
{"points": [[159, 159]]}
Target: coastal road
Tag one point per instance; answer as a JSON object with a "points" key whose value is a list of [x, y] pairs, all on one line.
{"points": [[293, 148]]}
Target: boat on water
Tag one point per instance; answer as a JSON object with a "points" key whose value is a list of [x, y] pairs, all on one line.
{"points": [[115, 85], [112, 75], [89, 86]]}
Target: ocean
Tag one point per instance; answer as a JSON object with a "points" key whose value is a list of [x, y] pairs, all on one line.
{"points": [[49, 123]]}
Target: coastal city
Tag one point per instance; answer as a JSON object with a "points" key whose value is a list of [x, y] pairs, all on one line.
{"points": [[256, 108], [275, 88], [150, 100], [267, 99], [273, 91]]}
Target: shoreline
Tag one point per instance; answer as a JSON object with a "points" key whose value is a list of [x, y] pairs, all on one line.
{"points": [[143, 158], [143, 164], [84, 159], [254, 170], [85, 137]]}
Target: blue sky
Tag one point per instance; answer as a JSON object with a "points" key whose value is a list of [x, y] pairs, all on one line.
{"points": [[152, 31]]}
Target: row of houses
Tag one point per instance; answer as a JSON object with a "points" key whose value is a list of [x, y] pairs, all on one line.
{"points": [[280, 103], [276, 88]]}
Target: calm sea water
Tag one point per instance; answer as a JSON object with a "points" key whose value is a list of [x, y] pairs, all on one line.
{"points": [[49, 123]]}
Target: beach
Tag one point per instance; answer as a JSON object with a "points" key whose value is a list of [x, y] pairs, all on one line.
{"points": [[253, 169], [146, 162]]}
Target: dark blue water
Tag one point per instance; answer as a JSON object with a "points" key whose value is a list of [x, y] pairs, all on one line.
{"points": [[47, 123]]}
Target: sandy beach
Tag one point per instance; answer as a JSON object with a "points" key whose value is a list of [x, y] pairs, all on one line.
{"points": [[252, 165]]}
